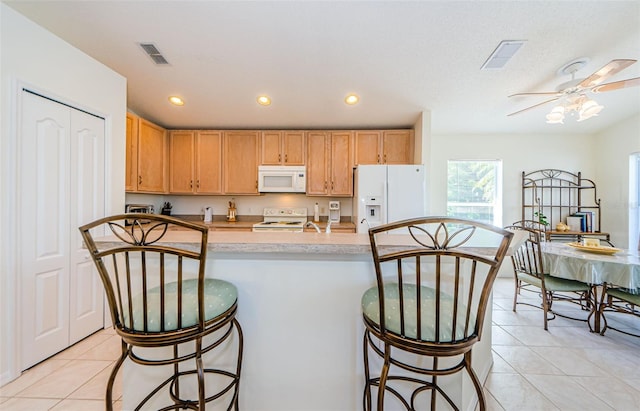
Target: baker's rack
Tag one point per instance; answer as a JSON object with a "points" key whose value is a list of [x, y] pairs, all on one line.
{"points": [[553, 195]]}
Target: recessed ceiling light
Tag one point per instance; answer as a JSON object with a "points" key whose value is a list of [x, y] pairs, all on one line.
{"points": [[351, 99], [175, 100], [264, 100]]}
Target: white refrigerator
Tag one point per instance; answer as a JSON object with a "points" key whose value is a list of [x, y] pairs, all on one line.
{"points": [[387, 193]]}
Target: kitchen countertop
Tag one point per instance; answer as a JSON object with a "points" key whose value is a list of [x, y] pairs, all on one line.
{"points": [[247, 221], [277, 242]]}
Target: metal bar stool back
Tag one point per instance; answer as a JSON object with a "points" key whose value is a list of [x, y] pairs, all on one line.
{"points": [[428, 306], [165, 310]]}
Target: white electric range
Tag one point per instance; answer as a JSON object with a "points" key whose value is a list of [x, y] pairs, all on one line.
{"points": [[284, 219]]}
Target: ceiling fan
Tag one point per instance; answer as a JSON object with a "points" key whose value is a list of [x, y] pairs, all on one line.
{"points": [[572, 96]]}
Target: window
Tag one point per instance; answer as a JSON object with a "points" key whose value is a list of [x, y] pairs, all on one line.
{"points": [[474, 190]]}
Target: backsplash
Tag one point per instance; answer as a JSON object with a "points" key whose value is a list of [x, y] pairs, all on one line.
{"points": [[246, 205]]}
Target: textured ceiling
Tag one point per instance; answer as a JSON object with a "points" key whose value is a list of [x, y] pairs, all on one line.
{"points": [[402, 58]]}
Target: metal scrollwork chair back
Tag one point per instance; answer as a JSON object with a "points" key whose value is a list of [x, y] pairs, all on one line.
{"points": [[429, 302], [159, 298], [531, 274]]}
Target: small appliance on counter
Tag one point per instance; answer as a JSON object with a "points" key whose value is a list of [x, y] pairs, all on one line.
{"points": [[334, 211], [208, 214], [138, 208], [231, 213]]}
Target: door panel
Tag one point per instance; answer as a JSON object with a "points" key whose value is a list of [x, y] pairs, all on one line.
{"points": [[86, 307], [44, 228]]}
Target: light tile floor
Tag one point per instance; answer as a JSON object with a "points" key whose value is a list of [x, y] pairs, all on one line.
{"points": [[565, 368]]}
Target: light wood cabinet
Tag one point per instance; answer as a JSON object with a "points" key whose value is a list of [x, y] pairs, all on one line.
{"points": [[146, 153], [384, 147], [285, 148], [131, 155], [240, 159], [329, 163], [209, 162], [195, 165]]}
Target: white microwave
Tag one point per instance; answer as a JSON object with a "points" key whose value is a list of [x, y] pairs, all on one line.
{"points": [[282, 179]]}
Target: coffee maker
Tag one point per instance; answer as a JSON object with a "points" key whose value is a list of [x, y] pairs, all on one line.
{"points": [[334, 211]]}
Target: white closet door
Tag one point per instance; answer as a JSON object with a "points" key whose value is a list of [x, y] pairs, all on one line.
{"points": [[62, 171], [87, 204], [44, 228]]}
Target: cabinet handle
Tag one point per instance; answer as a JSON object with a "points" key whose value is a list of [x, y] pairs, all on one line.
{"points": [[197, 183], [279, 158], [190, 183], [332, 186], [325, 185], [256, 184], [378, 158], [385, 159], [286, 160], [139, 179]]}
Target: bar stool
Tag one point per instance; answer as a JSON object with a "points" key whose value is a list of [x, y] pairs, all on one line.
{"points": [[428, 306], [165, 310]]}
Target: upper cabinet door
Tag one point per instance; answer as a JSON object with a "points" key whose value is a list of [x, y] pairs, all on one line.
{"points": [[181, 164], [241, 158], [341, 169], [293, 147], [397, 147], [367, 147], [318, 162], [131, 156], [151, 157], [209, 162], [271, 148], [286, 148]]}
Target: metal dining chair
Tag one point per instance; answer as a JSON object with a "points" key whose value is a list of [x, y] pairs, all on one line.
{"points": [[427, 309], [619, 300], [530, 275], [165, 310]]}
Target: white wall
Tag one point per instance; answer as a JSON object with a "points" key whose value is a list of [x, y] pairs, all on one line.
{"points": [[518, 153], [33, 57], [613, 148]]}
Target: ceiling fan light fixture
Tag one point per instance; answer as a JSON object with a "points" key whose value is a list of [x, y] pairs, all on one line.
{"points": [[589, 109], [556, 116]]}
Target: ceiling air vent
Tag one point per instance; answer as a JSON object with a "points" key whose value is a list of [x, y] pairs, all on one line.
{"points": [[505, 50], [153, 52]]}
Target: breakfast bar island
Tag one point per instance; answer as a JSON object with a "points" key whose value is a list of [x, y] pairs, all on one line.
{"points": [[299, 307]]}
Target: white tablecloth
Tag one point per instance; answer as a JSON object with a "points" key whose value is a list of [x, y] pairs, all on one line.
{"points": [[621, 269]]}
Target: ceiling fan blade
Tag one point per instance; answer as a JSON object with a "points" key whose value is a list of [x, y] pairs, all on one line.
{"points": [[616, 85], [609, 69], [534, 106], [542, 93]]}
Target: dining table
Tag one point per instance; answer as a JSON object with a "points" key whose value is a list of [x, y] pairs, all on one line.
{"points": [[594, 266]]}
